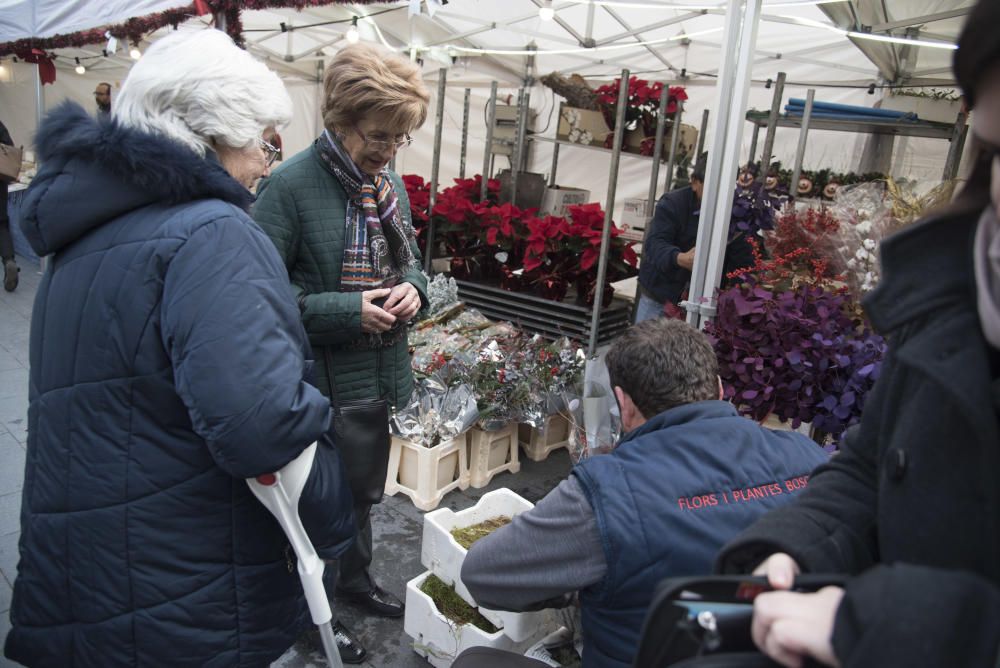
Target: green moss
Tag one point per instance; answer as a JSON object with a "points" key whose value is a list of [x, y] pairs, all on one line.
{"points": [[466, 536], [451, 605]]}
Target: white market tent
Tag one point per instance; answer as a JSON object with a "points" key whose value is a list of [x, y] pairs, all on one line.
{"points": [[828, 45]]}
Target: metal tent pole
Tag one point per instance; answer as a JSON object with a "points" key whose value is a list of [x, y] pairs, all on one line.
{"points": [[753, 144], [800, 151], [701, 136], [732, 89], [465, 134], [958, 135], [555, 164], [488, 152], [435, 165], [654, 176], [515, 153], [772, 125], [675, 132], [602, 263]]}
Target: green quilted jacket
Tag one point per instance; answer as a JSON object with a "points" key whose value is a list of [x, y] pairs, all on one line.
{"points": [[302, 207]]}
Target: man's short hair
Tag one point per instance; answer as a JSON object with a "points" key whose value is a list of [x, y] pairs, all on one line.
{"points": [[698, 171], [663, 363], [106, 85]]}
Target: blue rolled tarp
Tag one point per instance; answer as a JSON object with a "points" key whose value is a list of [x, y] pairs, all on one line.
{"points": [[799, 104], [827, 115]]}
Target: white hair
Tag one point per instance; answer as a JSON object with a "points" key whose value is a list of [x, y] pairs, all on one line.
{"points": [[198, 86]]}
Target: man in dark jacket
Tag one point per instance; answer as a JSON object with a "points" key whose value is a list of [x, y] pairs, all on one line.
{"points": [[681, 482], [167, 366], [911, 507], [668, 252]]}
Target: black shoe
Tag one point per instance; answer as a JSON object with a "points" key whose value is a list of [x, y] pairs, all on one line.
{"points": [[10, 271], [376, 601], [351, 650]]}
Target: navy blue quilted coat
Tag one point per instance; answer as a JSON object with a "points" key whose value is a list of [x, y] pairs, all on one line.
{"points": [[167, 365]]}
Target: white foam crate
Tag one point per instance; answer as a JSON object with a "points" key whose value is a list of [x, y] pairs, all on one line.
{"points": [[492, 452], [439, 640], [441, 554], [538, 444], [427, 474]]}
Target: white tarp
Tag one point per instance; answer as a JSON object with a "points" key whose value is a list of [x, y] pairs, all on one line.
{"points": [[20, 19], [807, 54]]}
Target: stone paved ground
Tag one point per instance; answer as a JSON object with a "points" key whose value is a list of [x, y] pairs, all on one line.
{"points": [[396, 523]]}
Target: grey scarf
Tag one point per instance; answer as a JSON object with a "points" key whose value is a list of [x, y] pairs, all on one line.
{"points": [[987, 261]]}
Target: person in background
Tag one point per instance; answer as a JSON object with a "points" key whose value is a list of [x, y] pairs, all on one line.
{"points": [[341, 222], [910, 508], [167, 366], [102, 95], [688, 474], [10, 268], [669, 249]]}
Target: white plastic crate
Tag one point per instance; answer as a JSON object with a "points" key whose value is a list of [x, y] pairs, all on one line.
{"points": [[427, 474], [539, 443], [441, 554], [492, 452], [438, 639]]}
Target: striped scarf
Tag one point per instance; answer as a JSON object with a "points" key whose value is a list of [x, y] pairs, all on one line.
{"points": [[377, 238]]}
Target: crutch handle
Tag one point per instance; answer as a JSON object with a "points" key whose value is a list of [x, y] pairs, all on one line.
{"points": [[280, 492]]}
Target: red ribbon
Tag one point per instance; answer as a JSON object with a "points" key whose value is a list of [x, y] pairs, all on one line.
{"points": [[201, 7], [46, 68]]}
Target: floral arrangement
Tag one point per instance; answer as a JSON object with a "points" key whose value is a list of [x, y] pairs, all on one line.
{"points": [[513, 247], [642, 103], [797, 353], [822, 184]]}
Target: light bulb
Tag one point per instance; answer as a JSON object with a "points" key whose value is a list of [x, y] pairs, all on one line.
{"points": [[80, 69], [352, 33], [135, 53], [545, 12]]}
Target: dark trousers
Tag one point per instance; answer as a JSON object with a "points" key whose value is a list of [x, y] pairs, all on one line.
{"points": [[6, 241], [353, 565]]}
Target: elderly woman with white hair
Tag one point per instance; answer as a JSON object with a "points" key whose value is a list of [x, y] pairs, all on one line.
{"points": [[341, 221], [168, 364]]}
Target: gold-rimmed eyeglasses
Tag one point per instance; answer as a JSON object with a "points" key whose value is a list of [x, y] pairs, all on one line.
{"points": [[381, 145]]}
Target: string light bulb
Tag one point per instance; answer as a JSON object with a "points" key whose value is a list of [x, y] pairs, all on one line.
{"points": [[135, 53], [545, 12], [80, 69], [352, 33]]}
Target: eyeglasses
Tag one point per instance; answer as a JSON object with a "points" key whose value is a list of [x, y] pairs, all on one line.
{"points": [[271, 152], [381, 145]]}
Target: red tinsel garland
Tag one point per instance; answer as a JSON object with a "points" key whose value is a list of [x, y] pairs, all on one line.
{"points": [[136, 28]]}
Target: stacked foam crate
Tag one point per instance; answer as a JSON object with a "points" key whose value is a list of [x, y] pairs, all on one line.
{"points": [[436, 638]]}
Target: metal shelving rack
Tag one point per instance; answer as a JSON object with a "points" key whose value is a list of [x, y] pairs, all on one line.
{"points": [[955, 133], [604, 322]]}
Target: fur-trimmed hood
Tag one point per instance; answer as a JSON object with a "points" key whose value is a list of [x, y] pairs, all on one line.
{"points": [[93, 171]]}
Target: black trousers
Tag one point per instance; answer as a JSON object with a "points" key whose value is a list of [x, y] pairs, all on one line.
{"points": [[353, 565], [6, 241]]}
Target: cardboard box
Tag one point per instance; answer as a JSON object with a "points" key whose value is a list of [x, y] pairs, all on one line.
{"points": [[557, 201], [575, 125], [926, 108]]}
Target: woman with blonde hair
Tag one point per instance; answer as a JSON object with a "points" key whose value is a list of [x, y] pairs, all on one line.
{"points": [[168, 364], [341, 221]]}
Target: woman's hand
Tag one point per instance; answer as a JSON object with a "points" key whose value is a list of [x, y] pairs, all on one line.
{"points": [[403, 301], [789, 627], [373, 318]]}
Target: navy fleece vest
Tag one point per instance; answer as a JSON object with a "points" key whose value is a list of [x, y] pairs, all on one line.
{"points": [[672, 493]]}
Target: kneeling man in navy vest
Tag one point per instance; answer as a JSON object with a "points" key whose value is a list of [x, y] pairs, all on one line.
{"points": [[688, 475]]}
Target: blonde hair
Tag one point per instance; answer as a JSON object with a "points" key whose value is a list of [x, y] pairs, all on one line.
{"points": [[362, 80]]}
